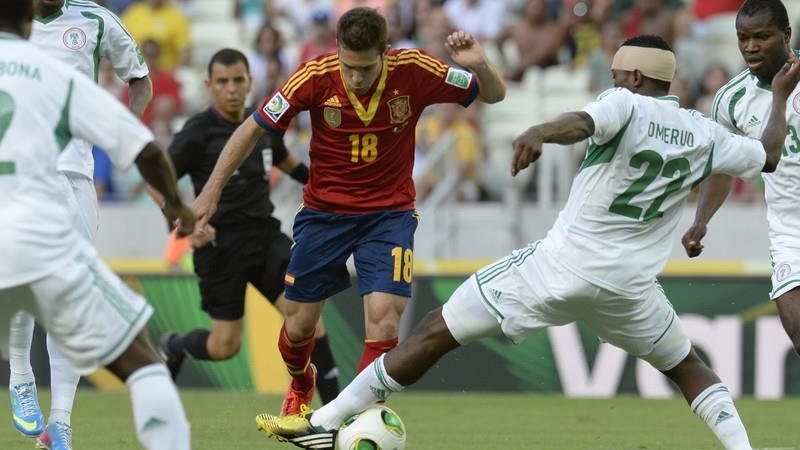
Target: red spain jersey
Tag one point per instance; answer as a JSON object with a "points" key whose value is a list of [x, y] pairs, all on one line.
{"points": [[362, 147]]}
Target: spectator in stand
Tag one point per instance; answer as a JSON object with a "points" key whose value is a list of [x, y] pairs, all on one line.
{"points": [[682, 89], [251, 13], [450, 119], [397, 35], [484, 19], [321, 37], [167, 102], [299, 12], [103, 176], [538, 39], [433, 27], [345, 5], [599, 63], [163, 22], [715, 76], [267, 50], [651, 17], [703, 10]]}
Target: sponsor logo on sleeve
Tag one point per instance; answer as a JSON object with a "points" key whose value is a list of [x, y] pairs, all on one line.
{"points": [[276, 107], [458, 78]]}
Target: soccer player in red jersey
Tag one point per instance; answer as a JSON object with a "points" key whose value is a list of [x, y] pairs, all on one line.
{"points": [[364, 101]]}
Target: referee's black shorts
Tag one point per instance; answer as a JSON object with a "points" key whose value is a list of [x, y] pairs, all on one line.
{"points": [[257, 253]]}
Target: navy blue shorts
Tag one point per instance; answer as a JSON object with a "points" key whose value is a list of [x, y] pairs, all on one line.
{"points": [[382, 244]]}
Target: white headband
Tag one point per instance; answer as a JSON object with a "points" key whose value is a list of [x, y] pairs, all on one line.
{"points": [[651, 62]]}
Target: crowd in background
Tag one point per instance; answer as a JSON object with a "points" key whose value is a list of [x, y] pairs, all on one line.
{"points": [[521, 36]]}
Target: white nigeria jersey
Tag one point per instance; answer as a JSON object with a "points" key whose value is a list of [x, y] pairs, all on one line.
{"points": [[743, 106], [43, 104], [79, 35], [644, 158]]}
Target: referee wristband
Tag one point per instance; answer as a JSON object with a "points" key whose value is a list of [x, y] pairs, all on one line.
{"points": [[300, 173]]}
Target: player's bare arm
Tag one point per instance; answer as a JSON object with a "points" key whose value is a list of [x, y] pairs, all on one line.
{"points": [[714, 190], [157, 171], [468, 52], [233, 155], [141, 92], [569, 128]]}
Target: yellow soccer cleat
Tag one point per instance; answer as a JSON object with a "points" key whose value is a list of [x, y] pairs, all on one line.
{"points": [[297, 429]]}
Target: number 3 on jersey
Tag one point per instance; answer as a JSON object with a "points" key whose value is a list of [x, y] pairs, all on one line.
{"points": [[403, 264], [363, 147]]}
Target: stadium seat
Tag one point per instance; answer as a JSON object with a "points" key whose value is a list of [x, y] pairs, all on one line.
{"points": [[209, 10]]}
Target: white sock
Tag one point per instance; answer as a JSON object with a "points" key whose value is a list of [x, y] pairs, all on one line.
{"points": [[371, 385], [20, 336], [157, 410], [63, 383], [715, 406]]}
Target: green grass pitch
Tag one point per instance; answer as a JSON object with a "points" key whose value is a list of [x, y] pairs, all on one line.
{"points": [[466, 421]]}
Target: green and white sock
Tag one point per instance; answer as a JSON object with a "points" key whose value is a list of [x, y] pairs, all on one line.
{"points": [[373, 384], [715, 406], [157, 411]]}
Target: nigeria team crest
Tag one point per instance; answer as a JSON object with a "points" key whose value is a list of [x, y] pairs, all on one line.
{"points": [[74, 38], [399, 109]]}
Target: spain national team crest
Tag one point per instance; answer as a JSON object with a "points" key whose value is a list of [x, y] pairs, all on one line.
{"points": [[74, 38], [399, 109], [333, 116]]}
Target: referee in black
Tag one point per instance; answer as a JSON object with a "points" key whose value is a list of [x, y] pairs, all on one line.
{"points": [[244, 242]]}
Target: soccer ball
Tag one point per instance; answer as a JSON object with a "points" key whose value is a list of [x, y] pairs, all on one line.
{"points": [[377, 428]]}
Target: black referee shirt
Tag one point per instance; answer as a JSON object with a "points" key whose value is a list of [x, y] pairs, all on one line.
{"points": [[245, 198]]}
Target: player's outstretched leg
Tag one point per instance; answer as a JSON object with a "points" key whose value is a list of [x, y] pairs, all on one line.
{"points": [[63, 384], [402, 366], [710, 399], [25, 410], [157, 410]]}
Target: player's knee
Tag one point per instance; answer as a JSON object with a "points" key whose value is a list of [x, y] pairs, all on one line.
{"points": [[299, 330], [224, 347]]}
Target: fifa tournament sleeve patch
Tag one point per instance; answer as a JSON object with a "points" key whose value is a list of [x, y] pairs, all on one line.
{"points": [[458, 78], [276, 107]]}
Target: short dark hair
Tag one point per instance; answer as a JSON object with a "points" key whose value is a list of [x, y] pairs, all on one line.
{"points": [[648, 41], [774, 8], [362, 29], [14, 12], [651, 41], [228, 57]]}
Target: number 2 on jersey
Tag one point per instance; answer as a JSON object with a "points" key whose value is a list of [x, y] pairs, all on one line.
{"points": [[363, 148], [675, 168], [6, 114]]}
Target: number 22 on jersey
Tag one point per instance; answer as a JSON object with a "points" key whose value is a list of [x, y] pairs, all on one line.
{"points": [[363, 147], [677, 168]]}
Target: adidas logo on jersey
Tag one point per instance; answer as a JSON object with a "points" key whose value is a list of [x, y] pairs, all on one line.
{"points": [[333, 102], [752, 122]]}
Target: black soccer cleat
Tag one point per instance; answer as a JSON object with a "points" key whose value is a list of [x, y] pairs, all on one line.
{"points": [[173, 360]]}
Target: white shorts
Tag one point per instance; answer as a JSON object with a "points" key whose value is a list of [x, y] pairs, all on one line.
{"points": [[81, 198], [529, 291], [91, 315], [785, 272]]}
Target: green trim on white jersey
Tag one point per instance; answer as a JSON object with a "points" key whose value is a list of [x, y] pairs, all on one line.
{"points": [[62, 131], [101, 29]]}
